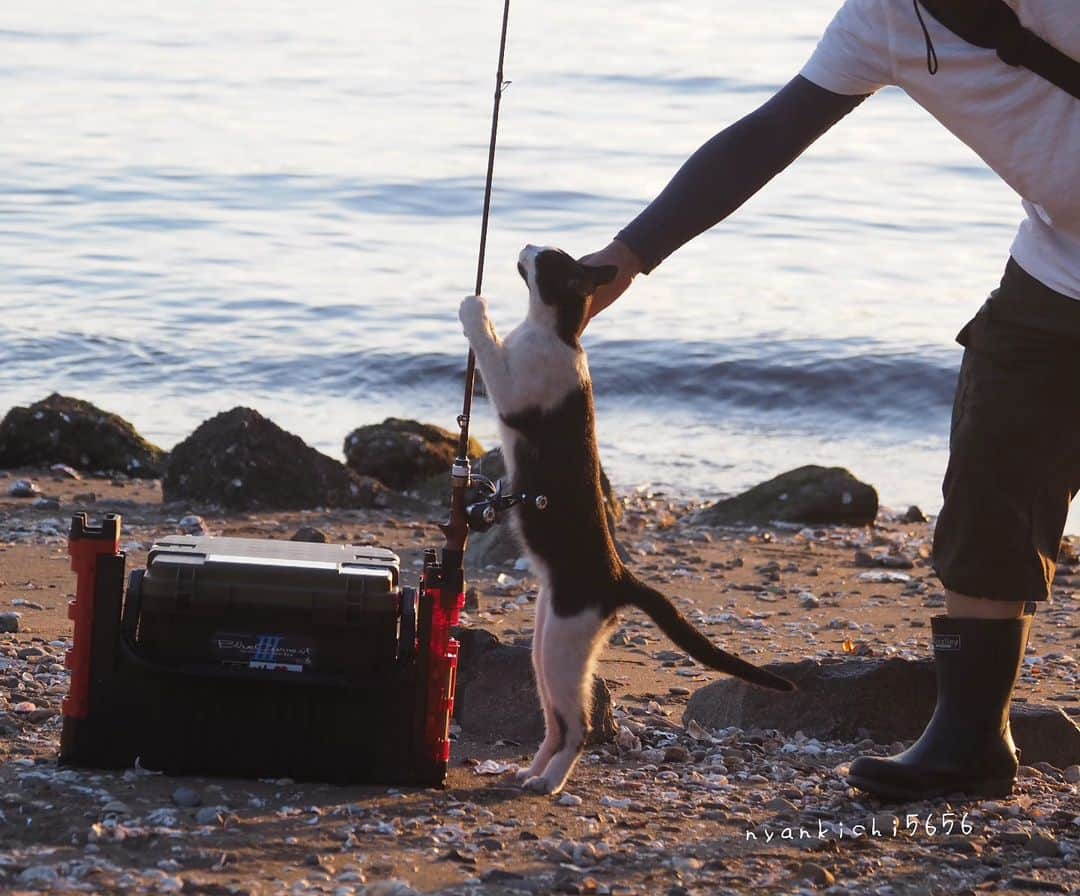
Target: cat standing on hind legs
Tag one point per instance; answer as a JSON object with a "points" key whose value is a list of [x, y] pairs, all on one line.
{"points": [[538, 380]]}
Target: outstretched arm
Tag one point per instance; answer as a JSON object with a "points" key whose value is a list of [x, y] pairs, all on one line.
{"points": [[721, 176]]}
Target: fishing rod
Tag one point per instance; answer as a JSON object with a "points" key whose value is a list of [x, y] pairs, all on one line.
{"points": [[456, 530]]}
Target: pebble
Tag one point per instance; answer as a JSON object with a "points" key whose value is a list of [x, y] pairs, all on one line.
{"points": [[782, 806], [209, 815], [643, 827], [44, 503], [818, 875], [389, 888], [9, 622], [24, 488], [311, 534], [65, 471], [187, 797], [1044, 845], [38, 877], [676, 754], [192, 525]]}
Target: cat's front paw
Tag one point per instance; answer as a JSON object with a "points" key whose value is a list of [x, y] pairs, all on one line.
{"points": [[472, 313]]}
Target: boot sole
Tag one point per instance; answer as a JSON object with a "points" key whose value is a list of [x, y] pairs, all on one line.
{"points": [[984, 789]]}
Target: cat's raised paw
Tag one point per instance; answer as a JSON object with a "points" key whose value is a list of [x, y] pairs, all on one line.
{"points": [[539, 784], [473, 310]]}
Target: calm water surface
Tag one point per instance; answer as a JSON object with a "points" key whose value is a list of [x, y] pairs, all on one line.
{"points": [[277, 204]]}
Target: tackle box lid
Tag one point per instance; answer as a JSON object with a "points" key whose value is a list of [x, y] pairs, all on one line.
{"points": [[369, 568]]}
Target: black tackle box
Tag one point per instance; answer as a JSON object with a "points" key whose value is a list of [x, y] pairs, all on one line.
{"points": [[259, 658], [322, 609]]}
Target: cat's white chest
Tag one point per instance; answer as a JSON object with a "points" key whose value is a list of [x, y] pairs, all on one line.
{"points": [[543, 369]]}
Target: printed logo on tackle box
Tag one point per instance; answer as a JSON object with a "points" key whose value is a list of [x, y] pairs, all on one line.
{"points": [[271, 653]]}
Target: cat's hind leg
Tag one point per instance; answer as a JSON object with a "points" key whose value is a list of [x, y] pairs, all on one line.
{"points": [[569, 647], [549, 746]]}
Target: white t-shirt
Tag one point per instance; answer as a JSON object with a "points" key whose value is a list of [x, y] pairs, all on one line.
{"points": [[1025, 128]]}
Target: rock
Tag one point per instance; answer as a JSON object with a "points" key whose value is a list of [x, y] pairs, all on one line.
{"points": [[62, 430], [63, 471], [1045, 734], [47, 504], [1044, 845], [818, 875], [809, 494], [1067, 554], [472, 600], [309, 533], [885, 699], [243, 461], [914, 514], [676, 754], [188, 797], [493, 676], [38, 877], [388, 888], [9, 622], [192, 524], [210, 815], [403, 453], [1072, 774], [496, 547], [24, 488]]}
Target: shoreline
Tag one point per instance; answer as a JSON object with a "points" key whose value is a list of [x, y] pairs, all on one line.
{"points": [[638, 822]]}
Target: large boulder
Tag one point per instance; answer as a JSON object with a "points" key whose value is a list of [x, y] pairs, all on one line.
{"points": [[404, 453], [886, 700], [242, 461], [810, 494], [496, 693], [63, 430]]}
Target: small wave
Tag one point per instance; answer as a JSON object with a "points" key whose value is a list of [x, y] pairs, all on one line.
{"points": [[833, 382]]}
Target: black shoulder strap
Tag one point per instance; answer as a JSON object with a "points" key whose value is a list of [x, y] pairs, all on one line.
{"points": [[993, 25]]}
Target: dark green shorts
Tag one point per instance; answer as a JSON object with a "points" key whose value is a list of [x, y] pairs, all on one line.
{"points": [[1014, 450]]}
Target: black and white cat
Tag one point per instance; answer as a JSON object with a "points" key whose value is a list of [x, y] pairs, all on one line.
{"points": [[538, 380]]}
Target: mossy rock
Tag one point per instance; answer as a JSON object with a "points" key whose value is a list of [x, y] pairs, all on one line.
{"points": [[404, 454], [810, 494], [243, 461], [64, 430]]}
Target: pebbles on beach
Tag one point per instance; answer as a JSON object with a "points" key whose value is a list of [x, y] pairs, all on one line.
{"points": [[661, 809]]}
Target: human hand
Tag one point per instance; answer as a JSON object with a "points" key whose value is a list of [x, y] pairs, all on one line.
{"points": [[629, 266]]}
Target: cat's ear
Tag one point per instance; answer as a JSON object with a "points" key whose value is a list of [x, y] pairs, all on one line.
{"points": [[599, 275]]}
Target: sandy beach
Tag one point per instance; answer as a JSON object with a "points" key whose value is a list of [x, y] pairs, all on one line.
{"points": [[669, 809]]}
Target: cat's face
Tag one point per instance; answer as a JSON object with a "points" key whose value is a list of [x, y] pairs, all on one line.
{"points": [[560, 289]]}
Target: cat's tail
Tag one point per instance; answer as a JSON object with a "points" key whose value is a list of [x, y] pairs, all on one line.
{"points": [[677, 627]]}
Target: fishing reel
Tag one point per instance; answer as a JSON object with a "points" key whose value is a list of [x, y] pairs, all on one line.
{"points": [[490, 502]]}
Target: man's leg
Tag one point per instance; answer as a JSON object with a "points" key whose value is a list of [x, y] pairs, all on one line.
{"points": [[1014, 466], [981, 608]]}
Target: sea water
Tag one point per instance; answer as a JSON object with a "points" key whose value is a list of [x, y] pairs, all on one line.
{"points": [[277, 205]]}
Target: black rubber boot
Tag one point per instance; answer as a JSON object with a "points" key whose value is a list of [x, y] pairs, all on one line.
{"points": [[967, 747]]}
